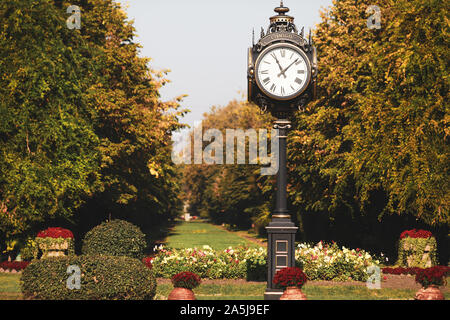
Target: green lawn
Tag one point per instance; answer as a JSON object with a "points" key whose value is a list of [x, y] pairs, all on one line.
{"points": [[252, 291], [9, 286], [197, 234]]}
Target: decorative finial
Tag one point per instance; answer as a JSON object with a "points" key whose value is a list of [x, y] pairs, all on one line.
{"points": [[282, 10]]}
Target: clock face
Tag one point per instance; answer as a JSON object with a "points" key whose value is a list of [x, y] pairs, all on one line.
{"points": [[283, 71]]}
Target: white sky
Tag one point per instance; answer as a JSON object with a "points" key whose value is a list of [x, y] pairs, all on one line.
{"points": [[204, 43]]}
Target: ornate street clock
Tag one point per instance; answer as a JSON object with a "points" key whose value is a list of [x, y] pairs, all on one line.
{"points": [[282, 67], [282, 70]]}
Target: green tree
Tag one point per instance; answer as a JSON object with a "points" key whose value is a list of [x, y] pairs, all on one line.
{"points": [[83, 132], [232, 194], [375, 143]]}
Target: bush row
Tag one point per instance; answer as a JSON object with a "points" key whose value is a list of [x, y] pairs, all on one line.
{"points": [[109, 268], [101, 278]]}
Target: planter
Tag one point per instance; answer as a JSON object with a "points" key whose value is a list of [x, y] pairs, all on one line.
{"points": [[181, 294], [293, 293], [430, 293], [54, 249]]}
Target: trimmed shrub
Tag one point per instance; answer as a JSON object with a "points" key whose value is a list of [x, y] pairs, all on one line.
{"points": [[102, 278], [115, 238]]}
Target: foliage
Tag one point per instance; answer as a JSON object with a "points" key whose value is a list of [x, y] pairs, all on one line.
{"points": [[432, 276], [102, 278], [228, 194], [417, 252], [187, 280], [370, 156], [115, 238], [30, 250], [83, 132], [290, 277]]}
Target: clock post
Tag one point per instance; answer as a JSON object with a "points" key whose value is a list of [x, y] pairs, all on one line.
{"points": [[282, 70]]}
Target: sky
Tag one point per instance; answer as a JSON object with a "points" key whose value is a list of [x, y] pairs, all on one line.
{"points": [[204, 43]]}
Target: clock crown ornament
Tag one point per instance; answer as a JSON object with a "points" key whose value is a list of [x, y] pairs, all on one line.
{"points": [[282, 67]]}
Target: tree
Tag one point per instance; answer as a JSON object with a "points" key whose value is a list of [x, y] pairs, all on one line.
{"points": [[83, 132], [375, 143], [232, 194]]}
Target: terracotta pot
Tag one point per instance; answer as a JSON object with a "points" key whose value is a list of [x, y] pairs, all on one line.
{"points": [[181, 294], [430, 293], [293, 293]]}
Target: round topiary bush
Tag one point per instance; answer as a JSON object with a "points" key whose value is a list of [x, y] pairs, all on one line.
{"points": [[101, 278], [115, 238]]}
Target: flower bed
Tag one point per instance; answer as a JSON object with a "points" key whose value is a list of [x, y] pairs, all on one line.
{"points": [[411, 271], [14, 265], [319, 262], [331, 262], [231, 263]]}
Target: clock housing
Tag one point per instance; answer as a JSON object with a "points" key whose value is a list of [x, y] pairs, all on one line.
{"points": [[282, 33]]}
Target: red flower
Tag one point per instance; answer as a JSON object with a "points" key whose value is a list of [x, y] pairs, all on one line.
{"points": [[290, 277], [432, 276], [55, 233], [416, 234], [186, 280], [14, 265], [148, 262]]}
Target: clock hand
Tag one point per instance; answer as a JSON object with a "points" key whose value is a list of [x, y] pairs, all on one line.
{"points": [[279, 65], [283, 71]]}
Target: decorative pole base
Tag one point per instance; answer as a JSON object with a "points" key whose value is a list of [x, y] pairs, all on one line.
{"points": [[280, 251]]}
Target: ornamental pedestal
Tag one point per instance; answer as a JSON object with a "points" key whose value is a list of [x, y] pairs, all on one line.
{"points": [[280, 252], [50, 250]]}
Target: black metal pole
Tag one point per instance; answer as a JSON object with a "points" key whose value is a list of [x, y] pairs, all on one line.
{"points": [[281, 196], [281, 231]]}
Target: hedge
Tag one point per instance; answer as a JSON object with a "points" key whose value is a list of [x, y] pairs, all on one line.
{"points": [[102, 278], [115, 238]]}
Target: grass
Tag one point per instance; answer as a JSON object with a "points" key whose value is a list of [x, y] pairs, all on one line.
{"points": [[197, 234], [253, 291], [9, 286]]}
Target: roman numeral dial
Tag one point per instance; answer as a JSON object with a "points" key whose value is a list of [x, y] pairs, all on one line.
{"points": [[282, 71]]}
